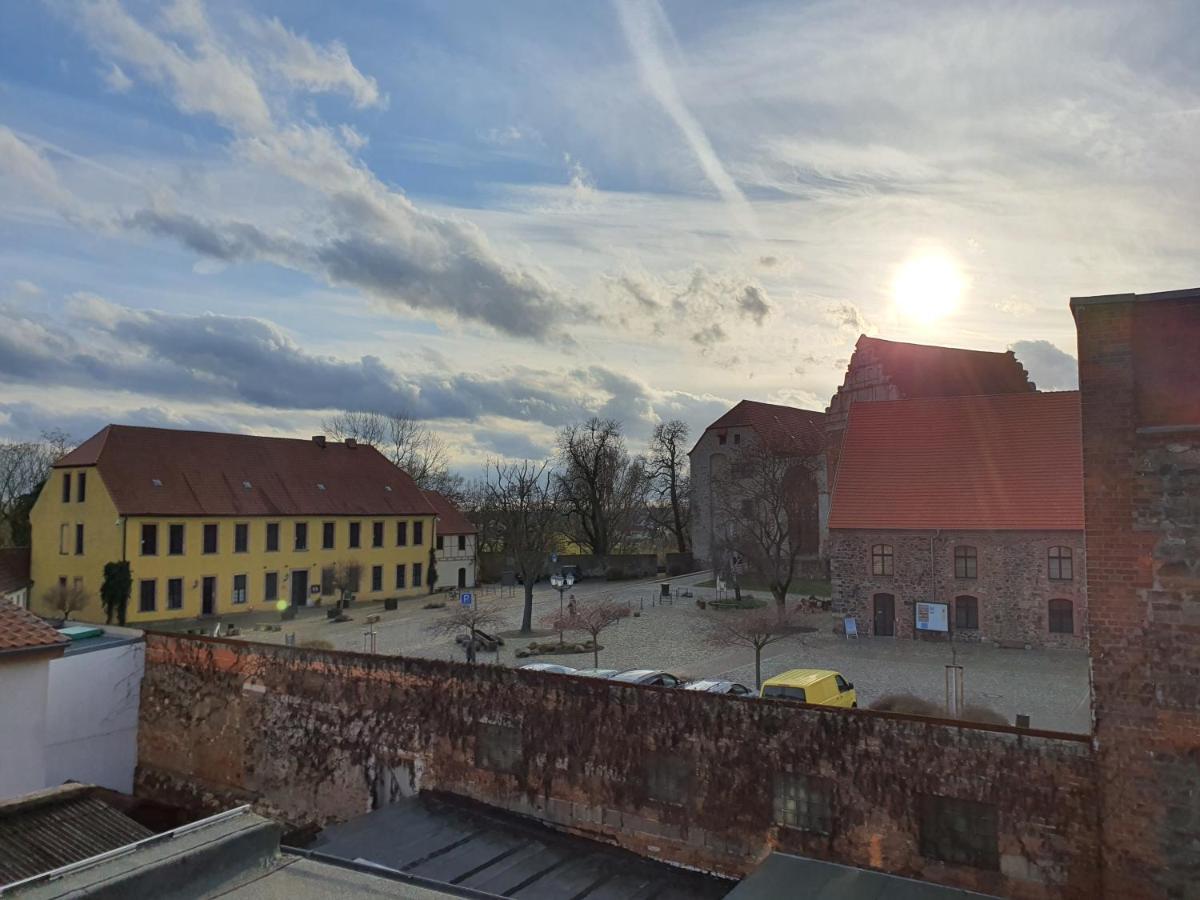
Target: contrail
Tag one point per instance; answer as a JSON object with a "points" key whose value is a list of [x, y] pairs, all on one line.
{"points": [[646, 30]]}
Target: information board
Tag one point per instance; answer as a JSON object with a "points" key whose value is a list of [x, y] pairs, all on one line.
{"points": [[933, 617]]}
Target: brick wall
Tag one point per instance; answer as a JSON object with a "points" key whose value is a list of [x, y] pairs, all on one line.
{"points": [[1139, 374], [312, 736], [1012, 587]]}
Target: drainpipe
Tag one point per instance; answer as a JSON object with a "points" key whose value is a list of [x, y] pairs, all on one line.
{"points": [[124, 522]]}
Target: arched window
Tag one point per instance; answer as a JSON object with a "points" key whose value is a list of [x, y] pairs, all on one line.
{"points": [[881, 559], [966, 562], [1061, 564], [966, 614], [1062, 617]]}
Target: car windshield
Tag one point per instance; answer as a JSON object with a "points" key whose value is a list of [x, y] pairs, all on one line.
{"points": [[784, 692]]}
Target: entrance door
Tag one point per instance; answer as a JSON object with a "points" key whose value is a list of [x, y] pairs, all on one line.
{"points": [[208, 596], [462, 578], [885, 615], [300, 587]]}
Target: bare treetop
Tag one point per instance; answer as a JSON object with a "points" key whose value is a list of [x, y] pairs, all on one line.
{"points": [[482, 615], [669, 481], [524, 518], [601, 487], [753, 629], [409, 443]]}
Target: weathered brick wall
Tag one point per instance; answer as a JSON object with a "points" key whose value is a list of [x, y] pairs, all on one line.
{"points": [[1139, 374], [1013, 587], [313, 736]]}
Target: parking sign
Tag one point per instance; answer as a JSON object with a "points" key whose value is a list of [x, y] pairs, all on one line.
{"points": [[465, 598]]}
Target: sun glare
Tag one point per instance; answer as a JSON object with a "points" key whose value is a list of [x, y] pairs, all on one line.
{"points": [[927, 287]]}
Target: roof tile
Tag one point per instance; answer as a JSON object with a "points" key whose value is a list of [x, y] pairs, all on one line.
{"points": [[22, 630], [451, 519]]}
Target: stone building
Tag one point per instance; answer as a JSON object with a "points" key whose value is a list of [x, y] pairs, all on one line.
{"points": [[974, 502], [784, 430]]}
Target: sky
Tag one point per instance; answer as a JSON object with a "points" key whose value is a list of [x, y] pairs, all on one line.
{"points": [[506, 217]]}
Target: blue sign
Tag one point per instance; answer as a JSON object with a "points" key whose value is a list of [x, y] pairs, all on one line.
{"points": [[553, 557], [465, 598]]}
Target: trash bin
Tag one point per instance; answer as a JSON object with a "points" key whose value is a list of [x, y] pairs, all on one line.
{"points": [[666, 589]]}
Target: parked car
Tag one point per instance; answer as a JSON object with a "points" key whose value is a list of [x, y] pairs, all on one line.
{"points": [[648, 676], [555, 668], [596, 673], [820, 686], [719, 687]]}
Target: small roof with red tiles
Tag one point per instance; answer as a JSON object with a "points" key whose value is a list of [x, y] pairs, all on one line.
{"points": [[784, 429], [168, 472], [21, 630], [927, 370], [1001, 462], [451, 519], [14, 568]]}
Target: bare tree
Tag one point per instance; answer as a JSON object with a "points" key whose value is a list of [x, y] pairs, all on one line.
{"points": [[667, 474], [24, 467], [758, 501], [592, 618], [406, 441], [346, 580], [754, 629], [480, 616], [520, 497], [66, 599], [600, 486]]}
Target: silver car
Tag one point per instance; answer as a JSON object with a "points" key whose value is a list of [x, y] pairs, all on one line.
{"points": [[719, 687], [553, 668]]}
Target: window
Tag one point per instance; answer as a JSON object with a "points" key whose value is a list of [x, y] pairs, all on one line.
{"points": [[721, 440], [377, 578], [81, 487], [210, 538], [64, 539], [737, 438], [327, 580], [272, 537], [174, 593], [146, 598], [784, 692], [803, 801], [966, 562], [271, 587], [62, 581], [150, 540], [328, 532], [440, 544], [881, 559], [377, 534], [416, 575], [239, 588], [241, 537], [66, 487], [1062, 617], [462, 542], [498, 748], [418, 533], [355, 536], [400, 576], [175, 540], [966, 614], [401, 534], [1062, 566], [959, 831], [301, 542], [79, 540]]}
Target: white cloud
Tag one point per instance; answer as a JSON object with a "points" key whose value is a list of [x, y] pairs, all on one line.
{"points": [[116, 80]]}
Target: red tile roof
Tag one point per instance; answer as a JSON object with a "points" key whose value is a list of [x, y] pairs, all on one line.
{"points": [[1009, 461], [161, 471], [784, 429], [451, 519], [22, 630], [14, 568], [924, 370]]}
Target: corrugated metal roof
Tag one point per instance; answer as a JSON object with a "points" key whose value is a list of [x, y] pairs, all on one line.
{"points": [[43, 831]]}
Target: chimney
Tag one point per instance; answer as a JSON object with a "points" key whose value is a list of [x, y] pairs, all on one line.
{"points": [[351, 443], [319, 440]]}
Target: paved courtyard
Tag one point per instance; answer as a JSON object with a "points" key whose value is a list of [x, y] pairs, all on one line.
{"points": [[1051, 686]]}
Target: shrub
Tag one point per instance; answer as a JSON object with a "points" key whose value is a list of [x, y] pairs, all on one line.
{"points": [[316, 644]]}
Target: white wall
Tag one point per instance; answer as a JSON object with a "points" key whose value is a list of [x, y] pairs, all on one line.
{"points": [[92, 716], [20, 597], [450, 559], [24, 682]]}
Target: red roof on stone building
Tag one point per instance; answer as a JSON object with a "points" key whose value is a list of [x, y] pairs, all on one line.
{"points": [[925, 370], [162, 471], [451, 519], [784, 429], [14, 568], [22, 630], [1001, 462]]}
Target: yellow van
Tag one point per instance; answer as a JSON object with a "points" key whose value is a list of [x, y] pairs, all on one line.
{"points": [[820, 686]]}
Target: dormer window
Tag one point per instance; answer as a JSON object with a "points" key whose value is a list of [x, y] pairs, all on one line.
{"points": [[320, 486], [388, 488], [737, 438], [157, 482], [721, 439], [246, 485]]}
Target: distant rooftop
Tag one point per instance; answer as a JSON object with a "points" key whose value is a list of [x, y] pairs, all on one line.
{"points": [[23, 632]]}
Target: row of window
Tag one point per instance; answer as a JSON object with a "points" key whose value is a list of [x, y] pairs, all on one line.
{"points": [[80, 487], [241, 536], [462, 542], [1060, 614], [65, 533], [148, 587], [1059, 562]]}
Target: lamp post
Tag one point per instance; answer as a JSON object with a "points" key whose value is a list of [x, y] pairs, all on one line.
{"points": [[561, 583]]}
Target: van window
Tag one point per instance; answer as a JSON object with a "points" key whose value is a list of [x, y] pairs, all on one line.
{"points": [[783, 692], [841, 683]]}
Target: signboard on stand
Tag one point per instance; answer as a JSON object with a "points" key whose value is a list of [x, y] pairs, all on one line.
{"points": [[933, 617]]}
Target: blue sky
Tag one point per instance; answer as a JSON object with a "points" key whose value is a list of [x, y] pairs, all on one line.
{"points": [[504, 217]]}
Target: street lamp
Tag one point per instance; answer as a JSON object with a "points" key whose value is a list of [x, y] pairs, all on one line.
{"points": [[561, 583]]}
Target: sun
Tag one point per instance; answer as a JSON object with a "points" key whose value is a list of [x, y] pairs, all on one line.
{"points": [[928, 287]]}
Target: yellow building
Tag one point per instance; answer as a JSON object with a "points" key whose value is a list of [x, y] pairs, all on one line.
{"points": [[214, 524]]}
